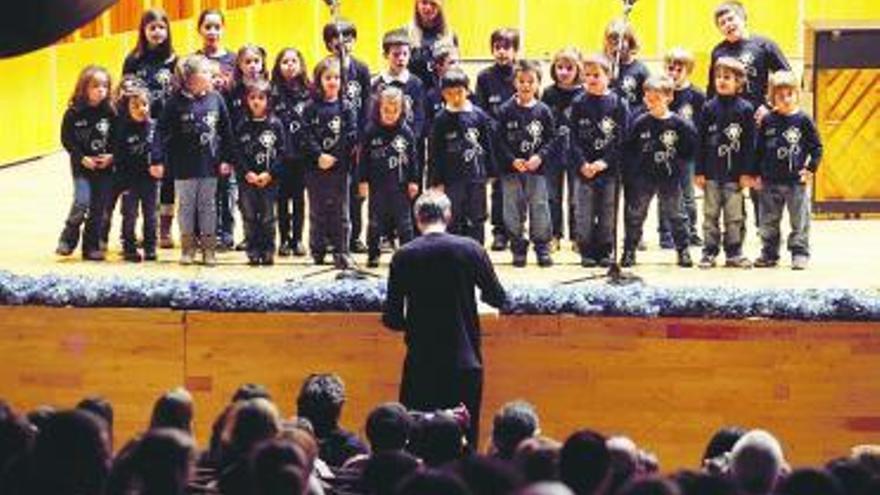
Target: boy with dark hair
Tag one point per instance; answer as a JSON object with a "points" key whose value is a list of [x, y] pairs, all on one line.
{"points": [[526, 139], [396, 47], [460, 157], [599, 120], [660, 143], [725, 162], [494, 87], [789, 153], [356, 92], [513, 423], [320, 400]]}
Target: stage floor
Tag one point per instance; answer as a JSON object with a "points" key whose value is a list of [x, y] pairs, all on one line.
{"points": [[35, 197]]}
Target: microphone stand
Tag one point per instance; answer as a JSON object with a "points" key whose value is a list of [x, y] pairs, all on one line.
{"points": [[615, 275]]}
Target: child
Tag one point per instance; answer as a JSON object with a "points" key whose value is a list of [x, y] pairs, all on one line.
{"points": [[250, 67], [789, 152], [262, 146], [211, 25], [153, 61], [290, 94], [526, 140], [137, 176], [194, 141], [567, 75], [461, 157], [428, 30], [687, 102], [494, 87], [357, 94], [660, 143], [599, 119], [725, 162], [85, 133], [631, 73], [389, 171], [445, 57], [328, 144], [396, 49]]}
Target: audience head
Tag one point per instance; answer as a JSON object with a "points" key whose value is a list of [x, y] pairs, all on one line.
{"points": [[538, 459], [697, 483], [388, 427], [513, 423], [756, 462], [432, 208], [438, 439], [487, 475], [159, 463], [248, 391], [101, 408], [251, 422], [71, 455], [174, 409], [320, 401], [721, 444], [432, 482], [810, 482], [384, 471], [278, 467], [584, 462]]}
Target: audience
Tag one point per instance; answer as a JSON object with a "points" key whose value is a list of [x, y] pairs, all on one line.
{"points": [[253, 451]]}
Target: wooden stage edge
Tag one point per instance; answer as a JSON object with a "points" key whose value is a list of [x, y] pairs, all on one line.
{"points": [[666, 382]]}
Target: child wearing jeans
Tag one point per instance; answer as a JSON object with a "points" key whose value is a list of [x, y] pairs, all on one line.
{"points": [[194, 144], [789, 152]]}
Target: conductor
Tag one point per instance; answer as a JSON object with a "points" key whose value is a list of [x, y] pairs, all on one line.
{"points": [[431, 298]]}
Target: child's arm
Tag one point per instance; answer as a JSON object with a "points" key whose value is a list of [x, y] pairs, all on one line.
{"points": [[418, 110], [69, 141], [505, 158]]}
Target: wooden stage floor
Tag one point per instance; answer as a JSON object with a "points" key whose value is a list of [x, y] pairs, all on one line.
{"points": [[34, 198]]}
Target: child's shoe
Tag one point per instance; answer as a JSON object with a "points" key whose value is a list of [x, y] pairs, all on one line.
{"points": [[588, 262], [284, 249], [628, 259], [738, 262], [187, 249], [707, 261], [544, 259], [684, 259], [96, 255], [268, 258], [299, 249], [666, 241], [373, 262], [764, 262], [209, 253], [131, 255], [799, 262], [150, 254], [63, 249], [499, 242]]}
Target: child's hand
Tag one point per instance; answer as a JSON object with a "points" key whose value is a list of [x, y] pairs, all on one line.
{"points": [[250, 178], [757, 184], [700, 181], [806, 176], [412, 190], [225, 169], [533, 163], [157, 170], [104, 161], [599, 166], [746, 181], [264, 179], [89, 163], [363, 189], [519, 165], [587, 170], [326, 161]]}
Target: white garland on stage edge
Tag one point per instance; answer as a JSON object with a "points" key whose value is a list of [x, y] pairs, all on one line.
{"points": [[636, 300]]}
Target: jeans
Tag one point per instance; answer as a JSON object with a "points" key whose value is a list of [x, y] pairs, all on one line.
{"points": [[640, 193], [389, 210], [197, 202], [258, 217], [558, 179], [526, 194], [688, 203], [497, 208], [468, 200], [723, 199], [142, 194], [594, 216], [291, 203], [90, 194], [328, 211], [774, 197]]}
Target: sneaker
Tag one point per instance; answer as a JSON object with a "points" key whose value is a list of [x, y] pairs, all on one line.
{"points": [[96, 255], [666, 241], [358, 247], [684, 259], [588, 262], [132, 256], [799, 262], [738, 262], [63, 249], [707, 262], [298, 249], [544, 260], [628, 259], [519, 260], [499, 242], [284, 249], [695, 241], [763, 262], [373, 262]]}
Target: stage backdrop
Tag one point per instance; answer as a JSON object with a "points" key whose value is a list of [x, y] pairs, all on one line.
{"points": [[35, 87]]}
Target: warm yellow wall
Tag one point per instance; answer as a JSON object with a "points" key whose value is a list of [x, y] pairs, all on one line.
{"points": [[34, 88]]}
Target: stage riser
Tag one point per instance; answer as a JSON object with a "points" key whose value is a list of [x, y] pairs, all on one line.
{"points": [[668, 383]]}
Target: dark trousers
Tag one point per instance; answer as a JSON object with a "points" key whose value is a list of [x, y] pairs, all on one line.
{"points": [[558, 180], [389, 210], [166, 190], [291, 204], [90, 195], [497, 209], [425, 388], [688, 204], [640, 194], [328, 211], [355, 210], [141, 195], [258, 217], [468, 200], [226, 201], [594, 211]]}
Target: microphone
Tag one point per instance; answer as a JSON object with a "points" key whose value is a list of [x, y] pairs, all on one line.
{"points": [[27, 26]]}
